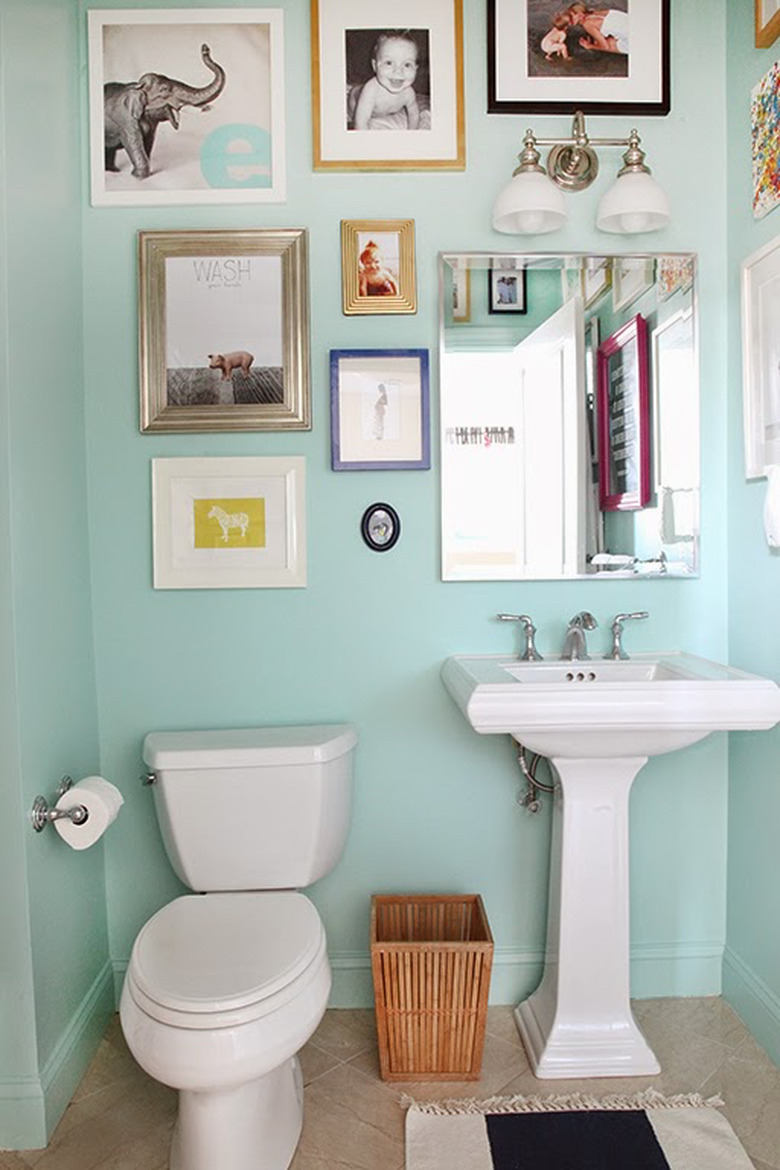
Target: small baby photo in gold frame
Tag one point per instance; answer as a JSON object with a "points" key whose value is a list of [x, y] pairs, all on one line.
{"points": [[377, 266]]}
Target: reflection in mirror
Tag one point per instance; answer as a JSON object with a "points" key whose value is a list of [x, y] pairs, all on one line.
{"points": [[569, 416]]}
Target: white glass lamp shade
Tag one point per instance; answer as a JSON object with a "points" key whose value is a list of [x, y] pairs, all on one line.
{"points": [[634, 203], [529, 205]]}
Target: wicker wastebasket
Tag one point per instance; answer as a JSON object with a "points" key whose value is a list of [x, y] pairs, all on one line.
{"points": [[431, 957]]}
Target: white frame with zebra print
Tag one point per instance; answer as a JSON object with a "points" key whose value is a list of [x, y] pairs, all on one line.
{"points": [[229, 523], [224, 330]]}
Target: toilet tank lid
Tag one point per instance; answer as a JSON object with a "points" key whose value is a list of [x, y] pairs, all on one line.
{"points": [[248, 747]]}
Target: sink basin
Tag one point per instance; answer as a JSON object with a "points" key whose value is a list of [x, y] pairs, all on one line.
{"points": [[597, 721], [643, 706]]}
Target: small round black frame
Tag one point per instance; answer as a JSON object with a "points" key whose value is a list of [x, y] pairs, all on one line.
{"points": [[380, 527]]}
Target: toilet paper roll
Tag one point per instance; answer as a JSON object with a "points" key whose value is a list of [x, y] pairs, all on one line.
{"points": [[102, 801]]}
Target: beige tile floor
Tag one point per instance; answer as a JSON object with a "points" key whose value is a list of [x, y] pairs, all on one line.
{"points": [[121, 1120]]}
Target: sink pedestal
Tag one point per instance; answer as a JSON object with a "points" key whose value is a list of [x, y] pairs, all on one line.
{"points": [[598, 722], [579, 1023]]}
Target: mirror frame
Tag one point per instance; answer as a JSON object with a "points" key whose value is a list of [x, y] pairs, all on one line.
{"points": [[674, 511]]}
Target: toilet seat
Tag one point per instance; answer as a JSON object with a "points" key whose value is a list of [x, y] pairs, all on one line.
{"points": [[219, 960]]}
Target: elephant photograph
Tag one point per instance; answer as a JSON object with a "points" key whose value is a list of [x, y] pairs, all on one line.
{"points": [[186, 106]]}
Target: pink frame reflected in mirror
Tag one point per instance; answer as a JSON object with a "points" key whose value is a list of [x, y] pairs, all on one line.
{"points": [[624, 419]]}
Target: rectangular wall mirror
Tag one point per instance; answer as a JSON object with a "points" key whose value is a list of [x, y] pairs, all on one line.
{"points": [[569, 390]]}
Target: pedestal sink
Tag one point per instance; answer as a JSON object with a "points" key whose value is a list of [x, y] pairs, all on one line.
{"points": [[597, 722]]}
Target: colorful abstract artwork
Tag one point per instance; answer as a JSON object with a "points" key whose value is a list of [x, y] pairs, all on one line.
{"points": [[674, 273], [765, 121]]}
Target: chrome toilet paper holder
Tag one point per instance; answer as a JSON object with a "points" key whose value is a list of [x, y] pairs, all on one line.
{"points": [[41, 815]]}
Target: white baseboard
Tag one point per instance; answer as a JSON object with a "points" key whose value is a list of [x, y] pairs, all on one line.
{"points": [[30, 1107], [753, 1001]]}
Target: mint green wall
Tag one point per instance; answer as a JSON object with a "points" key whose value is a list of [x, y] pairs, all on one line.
{"points": [[18, 1063], [55, 952], [752, 968], [365, 640]]}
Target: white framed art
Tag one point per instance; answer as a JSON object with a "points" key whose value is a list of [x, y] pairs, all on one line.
{"points": [[675, 403], [631, 277], [761, 358], [229, 523], [186, 106]]}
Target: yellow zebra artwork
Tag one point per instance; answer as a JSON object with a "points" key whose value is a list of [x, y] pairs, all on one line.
{"points": [[230, 523]]}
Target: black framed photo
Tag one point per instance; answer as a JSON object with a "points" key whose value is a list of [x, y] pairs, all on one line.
{"points": [[545, 57], [507, 290]]}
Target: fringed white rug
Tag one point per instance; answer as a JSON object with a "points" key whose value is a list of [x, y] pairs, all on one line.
{"points": [[643, 1132]]}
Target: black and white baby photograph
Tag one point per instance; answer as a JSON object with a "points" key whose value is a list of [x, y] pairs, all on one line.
{"points": [[388, 80]]}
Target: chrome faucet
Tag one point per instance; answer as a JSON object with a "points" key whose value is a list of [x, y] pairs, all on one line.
{"points": [[617, 650], [575, 646], [530, 653]]}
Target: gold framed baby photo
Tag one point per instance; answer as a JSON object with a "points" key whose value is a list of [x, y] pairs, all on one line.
{"points": [[377, 266], [387, 98]]}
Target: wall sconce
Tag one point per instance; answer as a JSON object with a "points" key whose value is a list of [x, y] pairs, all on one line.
{"points": [[532, 202]]}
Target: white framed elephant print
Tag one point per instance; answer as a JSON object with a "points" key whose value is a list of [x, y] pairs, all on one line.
{"points": [[186, 106]]}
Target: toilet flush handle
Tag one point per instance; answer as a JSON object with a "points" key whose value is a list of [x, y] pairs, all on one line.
{"points": [[148, 778]]}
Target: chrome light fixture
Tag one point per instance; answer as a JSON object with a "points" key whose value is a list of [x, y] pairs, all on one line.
{"points": [[533, 202]]}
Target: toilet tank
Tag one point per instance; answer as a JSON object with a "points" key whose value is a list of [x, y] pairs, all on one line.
{"points": [[260, 808]]}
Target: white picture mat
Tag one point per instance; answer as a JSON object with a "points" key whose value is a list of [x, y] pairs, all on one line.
{"points": [[178, 482], [338, 143], [461, 294], [761, 358], [126, 43], [644, 83], [359, 382], [631, 278]]}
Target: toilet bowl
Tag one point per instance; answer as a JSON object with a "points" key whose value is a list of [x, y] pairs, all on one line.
{"points": [[221, 992], [224, 988]]}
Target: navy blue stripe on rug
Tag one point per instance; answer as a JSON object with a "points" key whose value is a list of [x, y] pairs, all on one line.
{"points": [[590, 1140]]}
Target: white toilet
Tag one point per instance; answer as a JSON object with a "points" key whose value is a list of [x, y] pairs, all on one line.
{"points": [[225, 986]]}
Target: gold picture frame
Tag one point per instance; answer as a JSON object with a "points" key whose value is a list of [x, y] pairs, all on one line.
{"points": [[767, 23], [377, 266], [238, 294], [426, 122]]}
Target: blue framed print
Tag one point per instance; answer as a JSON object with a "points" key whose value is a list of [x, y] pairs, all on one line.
{"points": [[380, 410]]}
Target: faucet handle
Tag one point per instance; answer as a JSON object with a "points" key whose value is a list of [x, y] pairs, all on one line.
{"points": [[616, 650], [584, 620], [530, 653], [633, 617]]}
